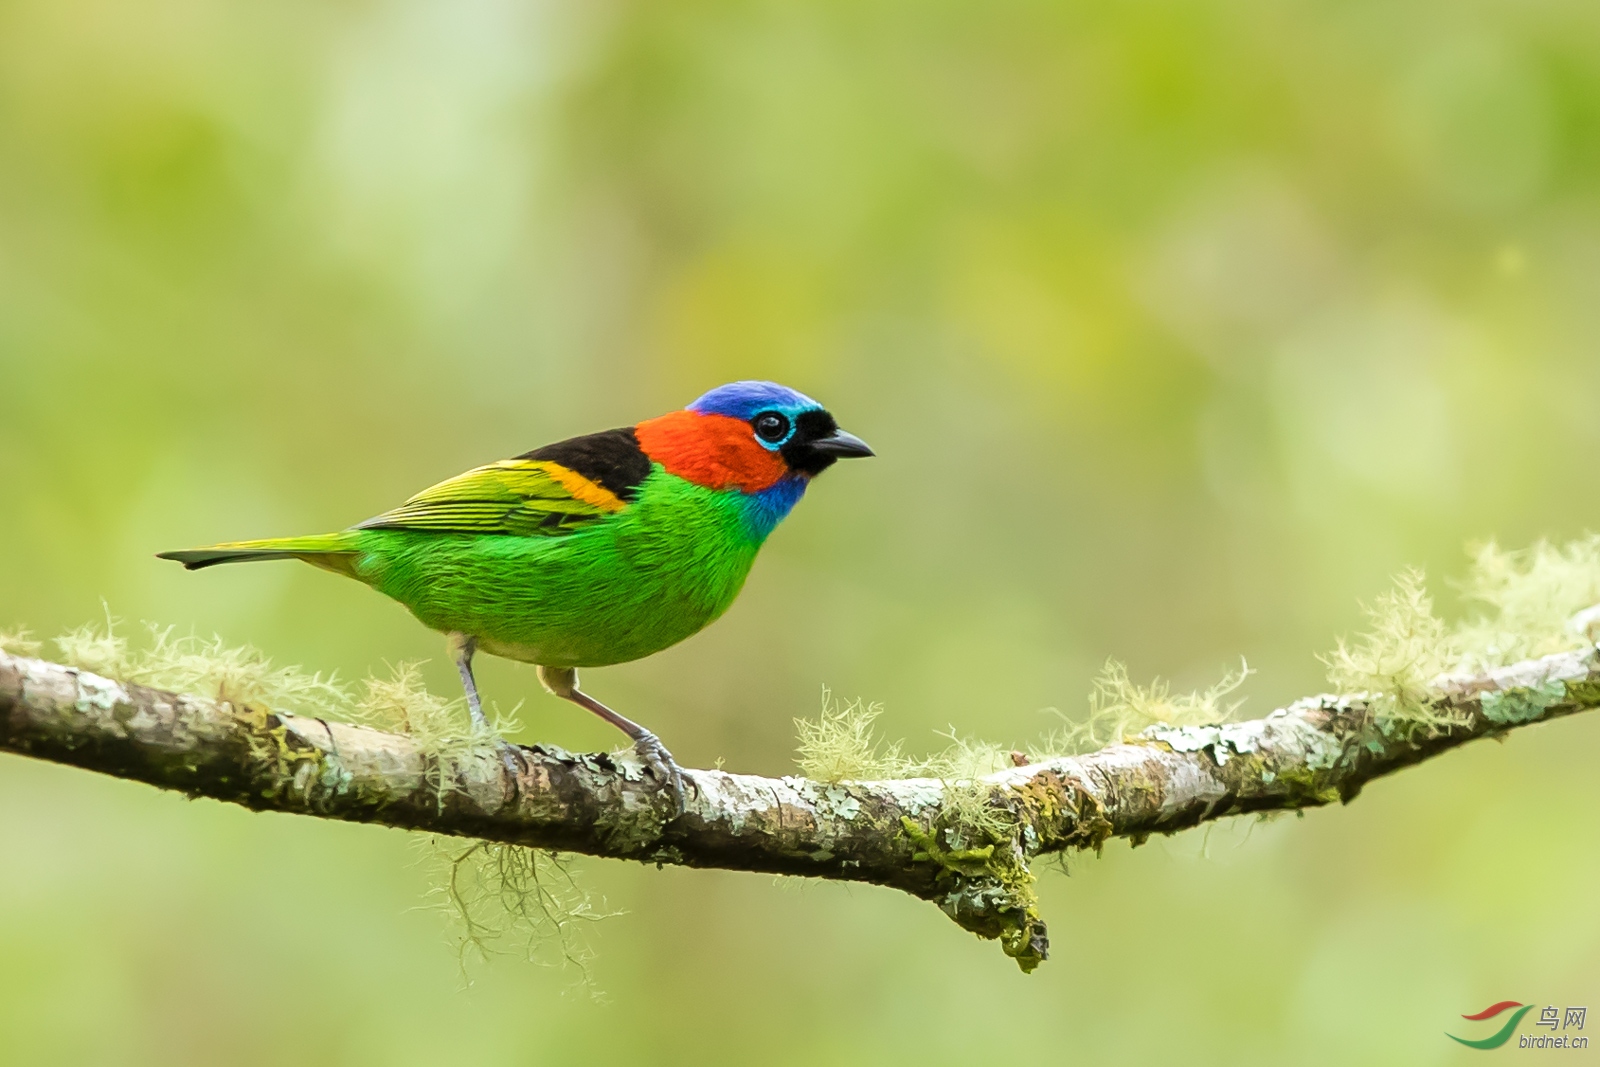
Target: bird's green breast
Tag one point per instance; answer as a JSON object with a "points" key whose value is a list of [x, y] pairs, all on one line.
{"points": [[613, 590]]}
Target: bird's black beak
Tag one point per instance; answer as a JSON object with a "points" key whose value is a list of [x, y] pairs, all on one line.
{"points": [[842, 445]]}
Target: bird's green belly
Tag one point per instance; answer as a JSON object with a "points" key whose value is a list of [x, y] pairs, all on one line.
{"points": [[619, 590]]}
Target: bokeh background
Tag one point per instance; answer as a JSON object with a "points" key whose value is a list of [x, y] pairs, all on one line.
{"points": [[1179, 326]]}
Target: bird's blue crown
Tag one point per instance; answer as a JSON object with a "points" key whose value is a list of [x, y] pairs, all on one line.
{"points": [[744, 400]]}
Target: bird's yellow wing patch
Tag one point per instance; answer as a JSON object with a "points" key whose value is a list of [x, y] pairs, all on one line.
{"points": [[532, 498]]}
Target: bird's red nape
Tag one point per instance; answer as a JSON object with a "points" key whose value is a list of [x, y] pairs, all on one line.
{"points": [[716, 451]]}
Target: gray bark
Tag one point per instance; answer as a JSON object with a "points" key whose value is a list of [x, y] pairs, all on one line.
{"points": [[916, 835]]}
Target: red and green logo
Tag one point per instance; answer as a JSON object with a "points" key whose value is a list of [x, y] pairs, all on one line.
{"points": [[1500, 1036]]}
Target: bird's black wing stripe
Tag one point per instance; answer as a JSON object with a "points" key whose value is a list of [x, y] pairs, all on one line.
{"points": [[612, 458]]}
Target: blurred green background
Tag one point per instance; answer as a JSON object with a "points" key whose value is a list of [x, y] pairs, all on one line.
{"points": [[1178, 326]]}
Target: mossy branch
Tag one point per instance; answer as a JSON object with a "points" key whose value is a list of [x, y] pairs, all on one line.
{"points": [[914, 834]]}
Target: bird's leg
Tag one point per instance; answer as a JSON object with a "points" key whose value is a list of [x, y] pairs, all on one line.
{"points": [[563, 682], [462, 647]]}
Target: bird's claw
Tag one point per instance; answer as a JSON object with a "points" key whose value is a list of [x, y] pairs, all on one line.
{"points": [[661, 764]]}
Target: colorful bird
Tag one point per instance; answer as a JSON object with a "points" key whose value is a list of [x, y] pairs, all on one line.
{"points": [[596, 550]]}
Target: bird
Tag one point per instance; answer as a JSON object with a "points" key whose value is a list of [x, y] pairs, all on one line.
{"points": [[592, 551]]}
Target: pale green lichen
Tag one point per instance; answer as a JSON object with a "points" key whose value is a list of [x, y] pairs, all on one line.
{"points": [[499, 898], [915, 795], [401, 702], [441, 728], [1539, 601], [240, 676], [1321, 751], [1224, 740], [839, 802], [970, 809], [1395, 661], [1532, 597], [19, 642], [841, 744], [497, 894], [1522, 705], [1536, 599], [974, 838], [245, 678], [1119, 709]]}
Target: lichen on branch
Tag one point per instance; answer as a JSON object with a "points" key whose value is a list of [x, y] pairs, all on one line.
{"points": [[960, 829]]}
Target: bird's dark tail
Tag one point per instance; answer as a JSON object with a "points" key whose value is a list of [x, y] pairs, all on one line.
{"points": [[332, 551]]}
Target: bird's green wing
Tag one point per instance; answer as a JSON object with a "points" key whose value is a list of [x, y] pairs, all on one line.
{"points": [[526, 497]]}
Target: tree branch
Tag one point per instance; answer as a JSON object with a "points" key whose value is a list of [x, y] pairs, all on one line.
{"points": [[963, 846]]}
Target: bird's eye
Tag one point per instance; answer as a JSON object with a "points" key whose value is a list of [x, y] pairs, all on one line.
{"points": [[771, 426]]}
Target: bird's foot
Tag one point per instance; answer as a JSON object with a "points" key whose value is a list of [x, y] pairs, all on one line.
{"points": [[661, 764]]}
